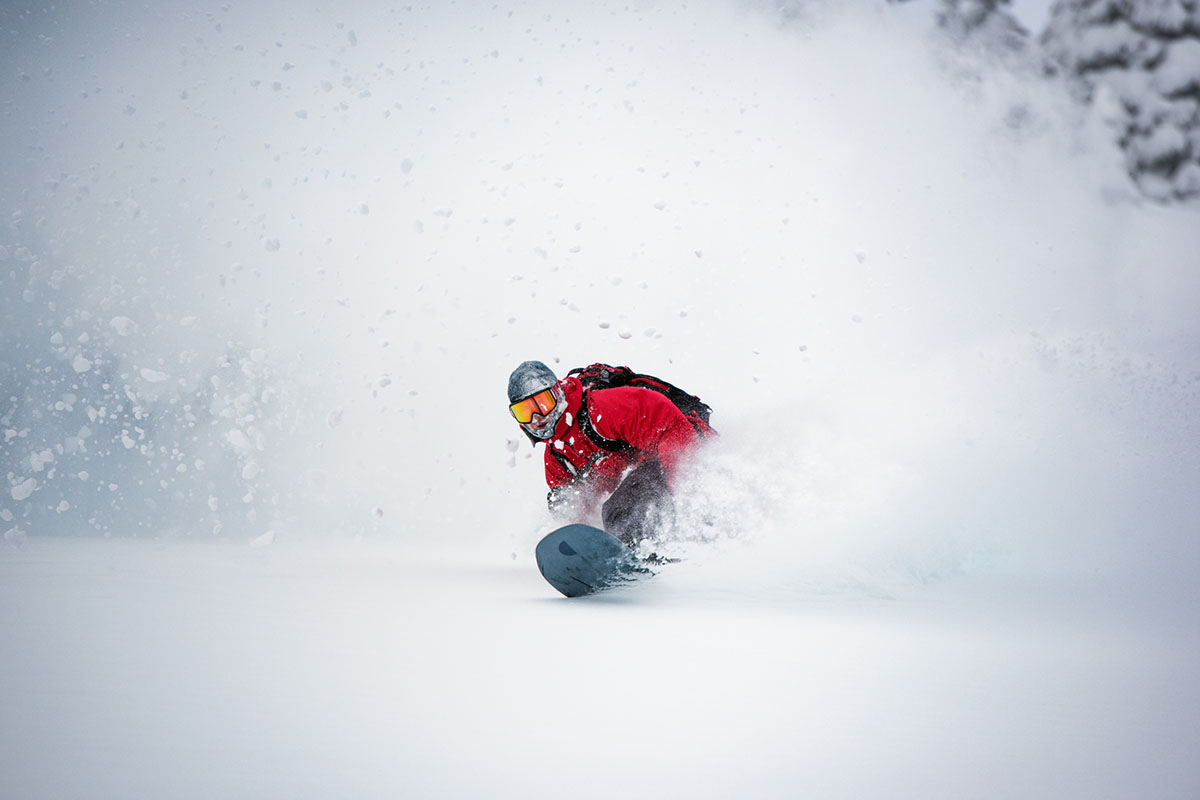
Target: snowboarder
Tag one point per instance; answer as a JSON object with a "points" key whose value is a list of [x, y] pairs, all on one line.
{"points": [[620, 448]]}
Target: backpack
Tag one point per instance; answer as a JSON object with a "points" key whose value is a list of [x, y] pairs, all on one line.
{"points": [[604, 376]]}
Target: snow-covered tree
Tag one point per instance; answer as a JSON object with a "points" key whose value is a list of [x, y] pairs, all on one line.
{"points": [[990, 22], [1138, 63]]}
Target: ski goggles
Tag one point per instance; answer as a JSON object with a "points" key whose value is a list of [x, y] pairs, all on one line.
{"points": [[541, 403]]}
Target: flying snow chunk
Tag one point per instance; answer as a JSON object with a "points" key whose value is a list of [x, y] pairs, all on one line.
{"points": [[153, 375], [39, 460], [266, 539], [240, 442], [23, 489], [124, 326], [81, 364]]}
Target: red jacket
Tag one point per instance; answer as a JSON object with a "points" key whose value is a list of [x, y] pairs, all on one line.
{"points": [[642, 417]]}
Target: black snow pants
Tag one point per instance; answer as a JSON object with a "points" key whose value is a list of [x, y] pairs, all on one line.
{"points": [[641, 506]]}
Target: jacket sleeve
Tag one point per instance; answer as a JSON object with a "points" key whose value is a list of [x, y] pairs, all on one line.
{"points": [[556, 474], [648, 421], [569, 498]]}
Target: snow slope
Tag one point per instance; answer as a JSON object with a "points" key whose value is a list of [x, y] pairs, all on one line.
{"points": [[207, 670], [267, 535]]}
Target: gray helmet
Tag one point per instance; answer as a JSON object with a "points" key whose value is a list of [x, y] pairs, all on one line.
{"points": [[528, 379]]}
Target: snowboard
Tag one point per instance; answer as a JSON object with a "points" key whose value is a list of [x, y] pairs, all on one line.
{"points": [[578, 560]]}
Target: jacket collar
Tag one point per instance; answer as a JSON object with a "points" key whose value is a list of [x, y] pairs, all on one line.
{"points": [[573, 390]]}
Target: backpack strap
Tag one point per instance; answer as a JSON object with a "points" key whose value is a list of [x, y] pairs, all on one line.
{"points": [[562, 460], [598, 439]]}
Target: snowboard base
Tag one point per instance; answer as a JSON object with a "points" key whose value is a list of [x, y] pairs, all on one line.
{"points": [[579, 560]]}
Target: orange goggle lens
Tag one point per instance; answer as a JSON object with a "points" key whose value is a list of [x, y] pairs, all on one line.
{"points": [[541, 403]]}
